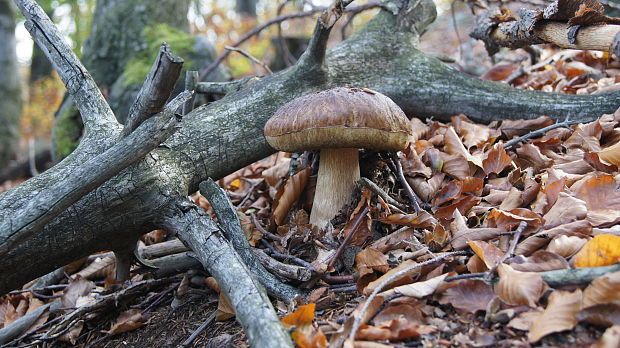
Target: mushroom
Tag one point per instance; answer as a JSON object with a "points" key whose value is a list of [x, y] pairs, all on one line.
{"points": [[338, 121]]}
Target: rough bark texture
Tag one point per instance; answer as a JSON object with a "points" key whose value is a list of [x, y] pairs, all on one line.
{"points": [[10, 91], [226, 135]]}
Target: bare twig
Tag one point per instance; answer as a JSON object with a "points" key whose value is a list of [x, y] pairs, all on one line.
{"points": [[250, 57], [510, 252], [262, 230], [379, 191], [348, 237], [542, 131], [273, 21], [413, 198], [198, 331], [390, 279]]}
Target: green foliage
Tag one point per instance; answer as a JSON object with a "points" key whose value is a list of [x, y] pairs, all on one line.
{"points": [[241, 66], [181, 44]]}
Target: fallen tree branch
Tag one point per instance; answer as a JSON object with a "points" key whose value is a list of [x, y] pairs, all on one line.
{"points": [[57, 198], [155, 90], [229, 221], [248, 297]]}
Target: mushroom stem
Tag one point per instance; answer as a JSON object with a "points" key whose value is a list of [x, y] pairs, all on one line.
{"points": [[338, 171]]}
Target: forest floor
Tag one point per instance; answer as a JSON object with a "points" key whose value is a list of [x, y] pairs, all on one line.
{"points": [[549, 202]]}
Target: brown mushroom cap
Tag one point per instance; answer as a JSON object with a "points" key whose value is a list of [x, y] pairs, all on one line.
{"points": [[342, 117]]}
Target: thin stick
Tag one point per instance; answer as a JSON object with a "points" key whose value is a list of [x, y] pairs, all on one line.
{"points": [[509, 252], [542, 131], [198, 331], [275, 20], [348, 237], [390, 279], [379, 191], [413, 198], [262, 230], [250, 57]]}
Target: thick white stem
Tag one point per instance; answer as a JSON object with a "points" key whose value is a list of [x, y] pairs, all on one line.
{"points": [[338, 171]]}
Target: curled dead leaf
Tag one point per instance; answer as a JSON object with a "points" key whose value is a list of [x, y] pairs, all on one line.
{"points": [[518, 288]]}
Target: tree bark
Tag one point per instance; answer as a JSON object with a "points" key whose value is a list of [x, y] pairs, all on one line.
{"points": [[226, 135], [10, 90]]}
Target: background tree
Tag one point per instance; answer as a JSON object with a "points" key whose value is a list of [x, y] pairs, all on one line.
{"points": [[10, 88]]}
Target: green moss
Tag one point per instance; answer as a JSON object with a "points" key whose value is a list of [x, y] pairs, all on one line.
{"points": [[181, 44], [67, 132]]}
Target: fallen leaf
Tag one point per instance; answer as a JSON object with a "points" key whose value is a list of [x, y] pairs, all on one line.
{"points": [[603, 290], [397, 329], [461, 233], [488, 253], [566, 246], [540, 261], [566, 209], [603, 315], [559, 315], [405, 279], [469, 295], [416, 220], [602, 250], [518, 288], [497, 160], [540, 239], [77, 288], [288, 194], [419, 289], [127, 321], [303, 316]]}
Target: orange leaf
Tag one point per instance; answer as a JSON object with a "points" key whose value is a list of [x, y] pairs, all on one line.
{"points": [[303, 316], [602, 250], [611, 154]]}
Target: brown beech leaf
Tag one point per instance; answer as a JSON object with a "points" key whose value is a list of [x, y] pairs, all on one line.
{"points": [[566, 209], [274, 174], [610, 339], [488, 253], [474, 134], [461, 233], [127, 321], [413, 165], [367, 262], [463, 205], [455, 166], [604, 315], [99, 268], [419, 289], [540, 261], [416, 220], [73, 333], [514, 128], [393, 241], [405, 279], [468, 295], [225, 309], [510, 219], [77, 288], [602, 250], [395, 310], [499, 71], [364, 229], [602, 197], [524, 320], [497, 160], [453, 189], [559, 315], [532, 243], [593, 159], [396, 329], [518, 288], [603, 290], [288, 194], [611, 154], [530, 156], [566, 246], [303, 316]]}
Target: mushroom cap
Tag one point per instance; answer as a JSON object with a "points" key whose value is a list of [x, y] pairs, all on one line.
{"points": [[341, 117]]}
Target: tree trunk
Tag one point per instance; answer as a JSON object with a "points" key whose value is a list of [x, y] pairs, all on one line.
{"points": [[226, 135], [10, 90]]}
